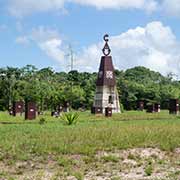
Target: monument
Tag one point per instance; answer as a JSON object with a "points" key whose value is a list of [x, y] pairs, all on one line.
{"points": [[150, 108], [174, 106], [140, 105], [157, 107], [106, 92], [18, 108], [30, 110]]}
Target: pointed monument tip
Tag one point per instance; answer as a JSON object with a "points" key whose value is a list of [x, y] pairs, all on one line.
{"points": [[106, 37], [106, 50]]}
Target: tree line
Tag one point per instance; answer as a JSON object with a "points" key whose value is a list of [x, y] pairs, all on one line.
{"points": [[49, 88]]}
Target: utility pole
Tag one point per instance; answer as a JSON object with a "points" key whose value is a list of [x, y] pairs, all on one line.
{"points": [[71, 55]]}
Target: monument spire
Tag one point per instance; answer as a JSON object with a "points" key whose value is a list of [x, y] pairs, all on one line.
{"points": [[106, 91], [106, 50]]}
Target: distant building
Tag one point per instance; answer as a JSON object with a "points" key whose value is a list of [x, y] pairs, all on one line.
{"points": [[106, 91]]}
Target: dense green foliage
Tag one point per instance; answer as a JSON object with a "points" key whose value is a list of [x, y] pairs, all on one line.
{"points": [[49, 89]]}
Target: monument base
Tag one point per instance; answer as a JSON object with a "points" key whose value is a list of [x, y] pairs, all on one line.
{"points": [[107, 96]]}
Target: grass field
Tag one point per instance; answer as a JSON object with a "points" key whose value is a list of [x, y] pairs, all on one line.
{"points": [[131, 129], [23, 141]]}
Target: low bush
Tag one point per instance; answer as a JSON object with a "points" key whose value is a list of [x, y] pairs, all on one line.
{"points": [[70, 118], [42, 121]]}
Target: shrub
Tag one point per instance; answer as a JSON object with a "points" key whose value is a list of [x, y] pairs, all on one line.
{"points": [[149, 170], [70, 118], [78, 175], [42, 121], [110, 158], [122, 108], [65, 162]]}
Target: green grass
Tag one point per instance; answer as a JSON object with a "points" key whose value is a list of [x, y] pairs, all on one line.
{"points": [[149, 170], [22, 140], [110, 158]]}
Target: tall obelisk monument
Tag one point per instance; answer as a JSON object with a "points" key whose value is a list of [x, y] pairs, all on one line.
{"points": [[106, 91]]}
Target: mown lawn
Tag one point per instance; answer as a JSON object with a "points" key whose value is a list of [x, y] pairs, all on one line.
{"points": [[21, 140]]}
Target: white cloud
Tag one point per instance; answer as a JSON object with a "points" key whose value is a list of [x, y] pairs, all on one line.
{"points": [[52, 47], [42, 34], [21, 8], [48, 40], [149, 5], [171, 7], [153, 46]]}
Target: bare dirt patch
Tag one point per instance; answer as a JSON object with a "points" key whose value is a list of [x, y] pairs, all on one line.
{"points": [[132, 164]]}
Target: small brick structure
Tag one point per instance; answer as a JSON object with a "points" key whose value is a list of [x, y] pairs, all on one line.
{"points": [[140, 105], [174, 106], [157, 108], [108, 112], [60, 108], [52, 113], [56, 112], [66, 107], [92, 110], [97, 110], [18, 108], [30, 110], [10, 111]]}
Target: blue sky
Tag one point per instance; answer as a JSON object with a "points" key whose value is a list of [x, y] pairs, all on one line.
{"points": [[39, 32]]}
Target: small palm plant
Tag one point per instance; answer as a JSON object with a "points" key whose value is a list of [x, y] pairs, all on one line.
{"points": [[70, 118]]}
